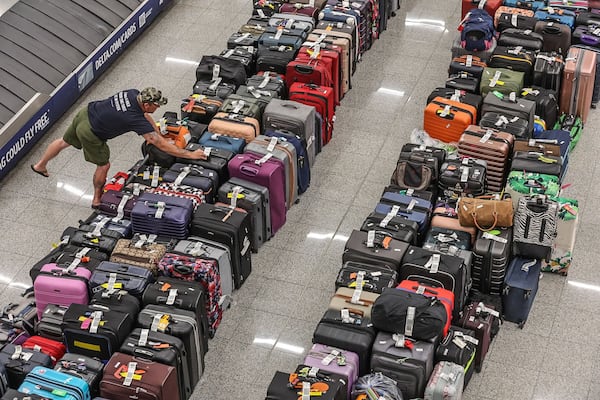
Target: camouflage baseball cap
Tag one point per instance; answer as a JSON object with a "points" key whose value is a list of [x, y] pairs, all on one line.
{"points": [[153, 95]]}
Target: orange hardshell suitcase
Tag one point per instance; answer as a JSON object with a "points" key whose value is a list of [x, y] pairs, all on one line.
{"points": [[446, 119]]}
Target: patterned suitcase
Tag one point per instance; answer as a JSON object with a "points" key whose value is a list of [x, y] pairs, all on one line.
{"points": [[332, 359], [492, 146], [446, 119], [536, 218], [561, 256], [521, 183]]}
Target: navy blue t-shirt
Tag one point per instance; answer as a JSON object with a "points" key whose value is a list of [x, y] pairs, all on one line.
{"points": [[117, 115]]}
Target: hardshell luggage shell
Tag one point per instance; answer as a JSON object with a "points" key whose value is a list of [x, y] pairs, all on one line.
{"points": [[113, 276], [446, 119], [446, 382], [48, 382], [332, 359], [548, 71], [61, 286], [491, 255], [578, 82], [53, 348], [86, 368]]}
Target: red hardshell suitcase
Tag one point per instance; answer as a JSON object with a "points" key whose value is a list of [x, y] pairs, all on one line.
{"points": [[127, 376], [320, 97], [336, 71], [578, 82], [56, 350], [491, 6], [61, 285]]}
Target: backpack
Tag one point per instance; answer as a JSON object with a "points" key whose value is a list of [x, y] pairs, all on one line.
{"points": [[477, 31]]}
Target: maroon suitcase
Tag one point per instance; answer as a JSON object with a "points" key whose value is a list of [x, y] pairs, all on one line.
{"points": [[320, 97], [126, 376], [479, 318]]}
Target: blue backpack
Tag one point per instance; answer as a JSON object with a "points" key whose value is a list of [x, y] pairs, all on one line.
{"points": [[477, 31]]}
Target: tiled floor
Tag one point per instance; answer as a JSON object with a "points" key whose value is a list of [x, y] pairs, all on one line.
{"points": [[270, 323]]}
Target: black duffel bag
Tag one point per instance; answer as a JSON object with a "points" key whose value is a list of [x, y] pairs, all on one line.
{"points": [[230, 71], [390, 311]]}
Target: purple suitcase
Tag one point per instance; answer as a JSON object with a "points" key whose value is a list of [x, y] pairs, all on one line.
{"points": [[270, 174], [162, 215], [332, 359], [61, 285], [117, 204]]}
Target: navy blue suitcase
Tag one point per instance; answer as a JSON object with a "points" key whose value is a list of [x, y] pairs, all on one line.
{"points": [[520, 287], [412, 208], [301, 155], [121, 277], [162, 215], [218, 141], [561, 138]]}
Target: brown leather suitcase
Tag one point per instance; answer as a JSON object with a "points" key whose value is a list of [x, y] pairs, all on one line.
{"points": [[446, 119], [578, 82], [149, 380], [492, 146]]}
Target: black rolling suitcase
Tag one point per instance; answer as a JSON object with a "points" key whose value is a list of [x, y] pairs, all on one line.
{"points": [[184, 295], [491, 255], [86, 368], [231, 228], [459, 346], [374, 247], [546, 103], [162, 348], [50, 325], [95, 332], [548, 70], [373, 278], [516, 126], [117, 300], [514, 58], [255, 200], [183, 325], [216, 160], [18, 362], [114, 276], [286, 386], [463, 96], [399, 228], [347, 331]]}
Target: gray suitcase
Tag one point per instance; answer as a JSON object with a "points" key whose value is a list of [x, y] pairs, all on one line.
{"points": [[446, 382], [296, 118], [255, 202], [284, 151], [521, 108], [457, 50], [200, 247], [408, 362]]}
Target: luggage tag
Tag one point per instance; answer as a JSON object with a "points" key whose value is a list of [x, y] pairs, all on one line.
{"points": [[398, 339], [228, 53], [160, 322], [525, 267], [289, 24], [143, 340], [514, 20], [371, 239], [130, 374], [346, 318], [155, 176], [272, 144], [358, 290], [469, 61], [488, 135], [264, 159], [385, 221], [95, 322], [495, 80], [445, 112], [433, 264], [160, 209], [330, 357], [410, 321], [171, 297], [481, 308], [243, 37], [456, 96], [464, 177]]}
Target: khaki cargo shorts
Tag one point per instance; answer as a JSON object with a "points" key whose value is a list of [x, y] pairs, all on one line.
{"points": [[79, 135]]}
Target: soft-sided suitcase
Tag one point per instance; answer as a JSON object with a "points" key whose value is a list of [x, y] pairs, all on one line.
{"points": [[117, 204], [558, 15], [332, 359], [408, 362], [411, 207], [464, 177], [302, 156], [285, 386], [527, 39], [527, 4], [578, 83], [459, 347], [355, 299], [214, 67], [294, 117], [95, 331], [50, 347], [18, 362], [586, 35], [444, 216], [113, 277], [492, 146], [64, 254], [467, 63], [458, 50], [548, 71], [448, 238], [55, 385], [230, 228], [446, 119], [86, 236], [348, 331], [192, 284], [62, 286], [320, 97], [381, 250], [446, 382], [491, 255], [462, 96], [49, 325], [82, 367], [520, 287], [161, 348], [536, 218], [479, 318], [369, 278], [510, 105], [280, 149], [126, 376], [515, 59], [236, 125], [534, 161], [400, 228], [342, 46], [561, 256], [556, 36], [463, 81], [546, 103], [521, 183], [507, 19], [501, 80], [491, 6]]}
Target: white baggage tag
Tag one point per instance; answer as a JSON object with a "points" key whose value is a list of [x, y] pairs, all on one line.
{"points": [[311, 3], [171, 297], [281, 48], [433, 264], [261, 13], [420, 289], [487, 235], [155, 323], [410, 192], [411, 205], [112, 280], [290, 23], [527, 31], [330, 357], [465, 174], [488, 310], [37, 348], [398, 339], [487, 136], [313, 372], [495, 78], [514, 119], [346, 4], [255, 92], [182, 175], [143, 340], [459, 342], [376, 274], [469, 61], [371, 239], [216, 72], [17, 353], [395, 210], [550, 10], [146, 175], [596, 32], [207, 151], [82, 252], [278, 34], [228, 53], [265, 81], [482, 4], [96, 318], [272, 144], [142, 240], [410, 321], [160, 209], [514, 20], [525, 267], [316, 52], [238, 105], [357, 293], [264, 159], [197, 249], [131, 367], [235, 192], [518, 49], [305, 390], [73, 265], [470, 339], [215, 83], [456, 95], [246, 246], [512, 97], [502, 120], [241, 38], [385, 221], [215, 136], [136, 189], [445, 112], [345, 314], [155, 176]]}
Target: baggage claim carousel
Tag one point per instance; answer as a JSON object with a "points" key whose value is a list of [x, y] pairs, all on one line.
{"points": [[50, 52]]}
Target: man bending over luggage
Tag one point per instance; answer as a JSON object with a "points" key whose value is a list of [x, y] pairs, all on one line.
{"points": [[93, 125]]}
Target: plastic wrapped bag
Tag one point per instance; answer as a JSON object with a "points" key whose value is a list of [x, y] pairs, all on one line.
{"points": [[376, 387]]}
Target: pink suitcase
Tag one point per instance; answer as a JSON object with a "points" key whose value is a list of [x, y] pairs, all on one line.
{"points": [[61, 285], [269, 173], [332, 359]]}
